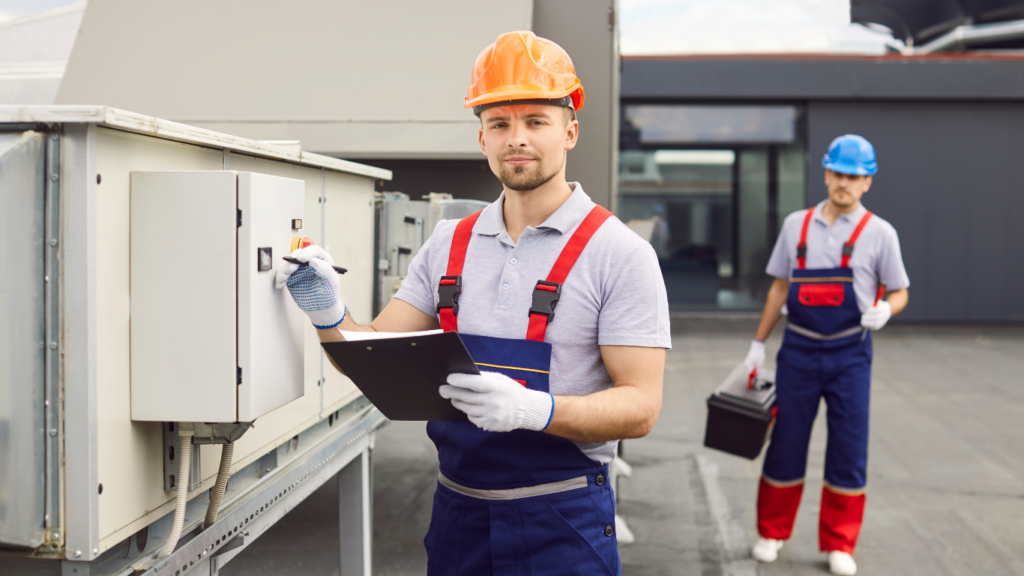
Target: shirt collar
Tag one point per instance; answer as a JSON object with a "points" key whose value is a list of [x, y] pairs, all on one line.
{"points": [[569, 214], [852, 217]]}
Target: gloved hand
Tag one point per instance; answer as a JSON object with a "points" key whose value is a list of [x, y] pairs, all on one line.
{"points": [[755, 358], [314, 288], [876, 316], [498, 403]]}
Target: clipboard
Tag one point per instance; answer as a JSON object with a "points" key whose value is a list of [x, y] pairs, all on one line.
{"points": [[401, 375]]}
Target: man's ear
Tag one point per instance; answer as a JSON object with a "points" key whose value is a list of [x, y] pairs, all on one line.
{"points": [[572, 134], [869, 180], [480, 138]]}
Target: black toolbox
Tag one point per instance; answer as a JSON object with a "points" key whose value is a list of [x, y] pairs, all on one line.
{"points": [[739, 416]]}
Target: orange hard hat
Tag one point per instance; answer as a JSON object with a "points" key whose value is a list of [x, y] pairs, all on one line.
{"points": [[522, 66]]}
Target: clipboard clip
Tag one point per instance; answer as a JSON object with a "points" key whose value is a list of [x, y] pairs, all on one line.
{"points": [[448, 292]]}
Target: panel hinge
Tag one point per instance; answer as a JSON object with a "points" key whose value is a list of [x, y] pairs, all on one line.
{"points": [[239, 374], [239, 218]]}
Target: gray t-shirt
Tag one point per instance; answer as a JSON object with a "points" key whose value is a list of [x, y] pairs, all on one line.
{"points": [[614, 295], [876, 254]]}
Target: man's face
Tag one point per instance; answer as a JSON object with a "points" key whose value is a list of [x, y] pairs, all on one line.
{"points": [[845, 190], [525, 144]]}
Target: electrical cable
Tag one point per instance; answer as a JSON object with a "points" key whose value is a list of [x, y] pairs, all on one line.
{"points": [[222, 484], [185, 456]]}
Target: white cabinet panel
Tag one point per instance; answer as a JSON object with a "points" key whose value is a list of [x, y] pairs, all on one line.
{"points": [[183, 343], [270, 325]]}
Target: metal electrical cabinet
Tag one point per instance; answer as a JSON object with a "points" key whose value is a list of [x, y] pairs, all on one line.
{"points": [[205, 249], [403, 225], [122, 257]]}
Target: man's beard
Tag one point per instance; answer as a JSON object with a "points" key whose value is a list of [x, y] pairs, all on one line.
{"points": [[522, 179]]}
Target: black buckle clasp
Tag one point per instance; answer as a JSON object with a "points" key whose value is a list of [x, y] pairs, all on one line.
{"points": [[448, 294], [545, 300], [801, 251]]}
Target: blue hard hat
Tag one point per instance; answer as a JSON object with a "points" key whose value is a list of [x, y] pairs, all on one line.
{"points": [[851, 154]]}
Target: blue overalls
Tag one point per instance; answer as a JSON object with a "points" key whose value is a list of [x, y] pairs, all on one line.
{"points": [[825, 352], [558, 531]]}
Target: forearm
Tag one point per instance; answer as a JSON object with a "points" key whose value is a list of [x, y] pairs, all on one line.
{"points": [[397, 316], [777, 295], [898, 300], [613, 414], [348, 325]]}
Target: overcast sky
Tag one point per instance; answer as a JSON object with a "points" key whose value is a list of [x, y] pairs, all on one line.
{"points": [[694, 26], [742, 26]]}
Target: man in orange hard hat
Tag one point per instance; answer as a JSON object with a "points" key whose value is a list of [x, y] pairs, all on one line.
{"points": [[523, 485]]}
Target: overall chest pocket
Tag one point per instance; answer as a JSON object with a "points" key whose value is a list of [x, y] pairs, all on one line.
{"points": [[821, 294]]}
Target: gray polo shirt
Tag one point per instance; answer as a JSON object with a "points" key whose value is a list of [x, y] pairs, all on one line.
{"points": [[614, 295], [876, 255]]}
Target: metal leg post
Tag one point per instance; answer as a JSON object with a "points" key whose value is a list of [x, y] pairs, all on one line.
{"points": [[354, 516]]}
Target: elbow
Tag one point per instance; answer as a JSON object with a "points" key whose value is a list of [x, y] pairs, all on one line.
{"points": [[645, 428], [646, 425]]}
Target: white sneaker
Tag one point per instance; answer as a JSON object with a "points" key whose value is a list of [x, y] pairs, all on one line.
{"points": [[766, 549], [841, 563]]}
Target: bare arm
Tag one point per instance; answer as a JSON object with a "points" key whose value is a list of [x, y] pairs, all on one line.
{"points": [[628, 410], [397, 316], [898, 300], [777, 295]]}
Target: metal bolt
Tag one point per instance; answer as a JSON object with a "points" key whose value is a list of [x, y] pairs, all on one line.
{"points": [[53, 432], [56, 536], [95, 551], [53, 345], [78, 553], [204, 552], [46, 278], [53, 242], [54, 177], [53, 138]]}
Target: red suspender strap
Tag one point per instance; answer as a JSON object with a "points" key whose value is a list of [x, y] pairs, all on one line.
{"points": [[450, 288], [547, 292], [801, 248], [848, 247]]}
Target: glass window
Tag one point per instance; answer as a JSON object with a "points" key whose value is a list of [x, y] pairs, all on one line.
{"points": [[709, 187], [656, 124]]}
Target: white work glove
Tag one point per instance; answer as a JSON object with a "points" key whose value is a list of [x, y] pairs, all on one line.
{"points": [[755, 358], [498, 403], [876, 316], [314, 288]]}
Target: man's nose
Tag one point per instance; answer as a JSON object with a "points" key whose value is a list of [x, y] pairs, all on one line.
{"points": [[517, 136]]}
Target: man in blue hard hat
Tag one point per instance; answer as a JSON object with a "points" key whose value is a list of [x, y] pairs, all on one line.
{"points": [[832, 264]]}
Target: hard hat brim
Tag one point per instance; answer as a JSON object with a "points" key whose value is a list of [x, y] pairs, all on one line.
{"points": [[851, 170], [512, 94]]}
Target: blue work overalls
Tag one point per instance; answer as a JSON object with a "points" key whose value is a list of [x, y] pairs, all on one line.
{"points": [[825, 352], [566, 532]]}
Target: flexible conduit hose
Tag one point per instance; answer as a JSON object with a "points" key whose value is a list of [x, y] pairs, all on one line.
{"points": [[185, 456], [222, 483]]}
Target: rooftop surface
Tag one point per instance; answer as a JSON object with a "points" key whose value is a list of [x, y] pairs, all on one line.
{"points": [[945, 472]]}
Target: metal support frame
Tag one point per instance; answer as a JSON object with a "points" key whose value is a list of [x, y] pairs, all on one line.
{"points": [[172, 450], [355, 511], [51, 298], [77, 346], [253, 510]]}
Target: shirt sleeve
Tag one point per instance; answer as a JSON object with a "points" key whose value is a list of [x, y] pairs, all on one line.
{"points": [[634, 310], [891, 271], [417, 288], [780, 264]]}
